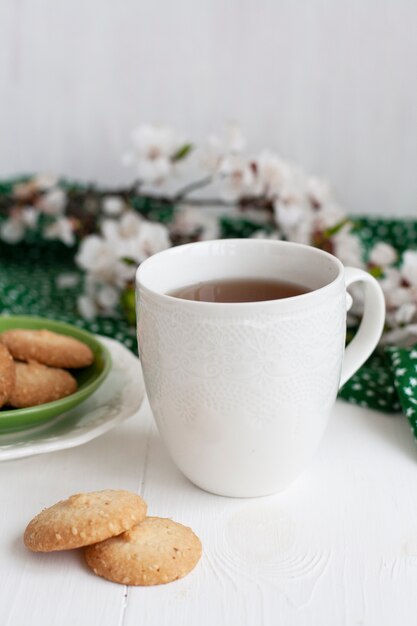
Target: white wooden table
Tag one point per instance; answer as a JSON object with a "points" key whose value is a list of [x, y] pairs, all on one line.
{"points": [[339, 547]]}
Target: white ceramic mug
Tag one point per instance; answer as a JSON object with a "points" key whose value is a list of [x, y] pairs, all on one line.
{"points": [[242, 392]]}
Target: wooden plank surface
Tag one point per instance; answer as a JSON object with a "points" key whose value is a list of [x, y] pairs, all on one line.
{"points": [[338, 547]]}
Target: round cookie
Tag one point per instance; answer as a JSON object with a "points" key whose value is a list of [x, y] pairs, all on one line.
{"points": [[156, 551], [83, 519], [47, 347], [7, 374], [37, 384]]}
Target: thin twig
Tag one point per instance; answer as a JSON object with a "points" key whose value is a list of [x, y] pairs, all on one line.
{"points": [[77, 197], [204, 202], [198, 184]]}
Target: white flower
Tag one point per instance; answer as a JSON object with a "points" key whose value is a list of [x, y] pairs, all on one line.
{"points": [[292, 190], [131, 238], [405, 313], [92, 250], [99, 297], [304, 207], [318, 191], [290, 215], [347, 248], [273, 173], [292, 194], [397, 296], [404, 337], [87, 307], [152, 238], [383, 254], [135, 238], [14, 228], [390, 280], [95, 255], [62, 230], [25, 191], [299, 231], [119, 240], [128, 225], [327, 216], [107, 297], [238, 177], [190, 221], [217, 148], [112, 205], [153, 149], [29, 217], [409, 267], [107, 259], [293, 216], [45, 181], [263, 234], [67, 280], [99, 259], [53, 202]]}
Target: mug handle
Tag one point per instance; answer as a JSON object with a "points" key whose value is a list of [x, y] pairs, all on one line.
{"points": [[371, 326]]}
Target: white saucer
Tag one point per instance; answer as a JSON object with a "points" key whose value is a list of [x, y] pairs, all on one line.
{"points": [[119, 397]]}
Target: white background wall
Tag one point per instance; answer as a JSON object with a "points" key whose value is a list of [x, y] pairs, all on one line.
{"points": [[331, 84]]}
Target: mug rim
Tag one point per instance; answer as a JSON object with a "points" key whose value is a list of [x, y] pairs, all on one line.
{"points": [[314, 293]]}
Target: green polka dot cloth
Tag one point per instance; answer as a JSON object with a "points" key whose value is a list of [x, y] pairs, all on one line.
{"points": [[373, 386], [32, 282], [401, 234], [404, 366], [41, 278]]}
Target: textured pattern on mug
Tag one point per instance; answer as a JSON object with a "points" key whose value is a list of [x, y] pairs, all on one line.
{"points": [[257, 361]]}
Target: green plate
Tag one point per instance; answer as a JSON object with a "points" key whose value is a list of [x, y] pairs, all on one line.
{"points": [[88, 378]]}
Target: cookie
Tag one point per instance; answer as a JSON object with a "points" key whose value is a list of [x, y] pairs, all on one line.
{"points": [[47, 347], [83, 519], [7, 374], [154, 552], [36, 384]]}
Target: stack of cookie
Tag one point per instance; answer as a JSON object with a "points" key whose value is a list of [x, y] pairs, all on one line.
{"points": [[33, 366], [121, 543]]}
